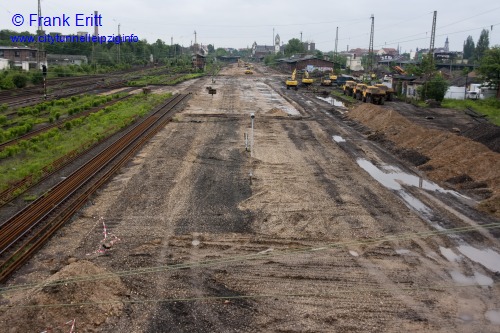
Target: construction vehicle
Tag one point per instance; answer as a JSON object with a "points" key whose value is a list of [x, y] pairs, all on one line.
{"points": [[372, 94], [248, 71], [388, 91], [399, 70], [333, 77], [306, 80], [326, 81], [348, 87], [292, 81], [357, 91]]}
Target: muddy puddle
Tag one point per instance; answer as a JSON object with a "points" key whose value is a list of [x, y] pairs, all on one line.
{"points": [[338, 138], [395, 179], [332, 101]]}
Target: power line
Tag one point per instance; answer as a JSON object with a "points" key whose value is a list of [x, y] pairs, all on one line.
{"points": [[249, 257], [331, 294]]}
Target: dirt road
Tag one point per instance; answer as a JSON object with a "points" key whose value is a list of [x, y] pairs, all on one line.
{"points": [[313, 228]]}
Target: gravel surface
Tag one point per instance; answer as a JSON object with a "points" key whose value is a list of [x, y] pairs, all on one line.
{"points": [[294, 236]]}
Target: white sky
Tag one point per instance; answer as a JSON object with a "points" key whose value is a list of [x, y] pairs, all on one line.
{"points": [[237, 23]]}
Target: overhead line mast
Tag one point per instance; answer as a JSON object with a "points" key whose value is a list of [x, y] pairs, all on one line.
{"points": [[433, 34], [370, 48]]}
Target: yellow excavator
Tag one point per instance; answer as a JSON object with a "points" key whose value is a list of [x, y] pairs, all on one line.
{"points": [[292, 81], [333, 77], [306, 80]]}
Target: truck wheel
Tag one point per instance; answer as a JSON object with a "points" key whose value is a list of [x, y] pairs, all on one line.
{"points": [[368, 99], [287, 87], [381, 101]]}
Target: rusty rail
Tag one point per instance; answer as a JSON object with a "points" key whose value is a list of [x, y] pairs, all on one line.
{"points": [[25, 232]]}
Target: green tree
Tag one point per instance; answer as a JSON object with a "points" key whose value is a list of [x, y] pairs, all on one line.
{"points": [[482, 45], [294, 46], [489, 68], [210, 48], [469, 47], [220, 52], [435, 89]]}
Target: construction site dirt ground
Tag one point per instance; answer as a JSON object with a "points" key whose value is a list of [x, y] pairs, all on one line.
{"points": [[329, 224]]}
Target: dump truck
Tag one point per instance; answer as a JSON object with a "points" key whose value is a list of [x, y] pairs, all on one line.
{"points": [[348, 87], [372, 94], [292, 81], [357, 91], [388, 91]]}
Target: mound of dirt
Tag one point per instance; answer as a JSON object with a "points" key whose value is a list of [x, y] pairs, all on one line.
{"points": [[277, 112], [450, 155], [59, 318], [486, 133]]}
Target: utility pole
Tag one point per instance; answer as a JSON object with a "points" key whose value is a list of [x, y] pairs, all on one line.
{"points": [[119, 56], [370, 48], [301, 36], [273, 38], [433, 34], [39, 32], [336, 43]]}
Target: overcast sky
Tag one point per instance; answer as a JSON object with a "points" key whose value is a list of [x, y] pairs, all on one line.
{"points": [[237, 23]]}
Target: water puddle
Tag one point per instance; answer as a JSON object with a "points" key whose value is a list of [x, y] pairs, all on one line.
{"points": [[478, 278], [487, 257], [338, 138], [332, 101], [354, 253], [466, 317], [493, 316], [392, 177], [402, 251], [449, 254]]}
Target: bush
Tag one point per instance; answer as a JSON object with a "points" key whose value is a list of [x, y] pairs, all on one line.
{"points": [[36, 78], [20, 80], [7, 83], [435, 89]]}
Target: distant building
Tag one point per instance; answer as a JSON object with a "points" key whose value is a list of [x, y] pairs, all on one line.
{"points": [[260, 51], [198, 60], [22, 57], [66, 59], [309, 63], [309, 46], [387, 53]]}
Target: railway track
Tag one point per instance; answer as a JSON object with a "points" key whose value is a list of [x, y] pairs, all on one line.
{"points": [[65, 87], [25, 232]]}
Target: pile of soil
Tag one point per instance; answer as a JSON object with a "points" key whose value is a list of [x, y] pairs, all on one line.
{"points": [[449, 155], [59, 319], [277, 113], [486, 133]]}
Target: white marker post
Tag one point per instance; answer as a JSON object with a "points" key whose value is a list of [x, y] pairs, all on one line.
{"points": [[252, 116]]}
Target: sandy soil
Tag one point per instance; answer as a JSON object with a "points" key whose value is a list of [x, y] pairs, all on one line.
{"points": [[292, 236]]}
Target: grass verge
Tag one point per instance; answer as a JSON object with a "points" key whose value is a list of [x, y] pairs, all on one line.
{"points": [[29, 157]]}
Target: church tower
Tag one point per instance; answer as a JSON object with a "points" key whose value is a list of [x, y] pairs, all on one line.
{"points": [[277, 44], [446, 45]]}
